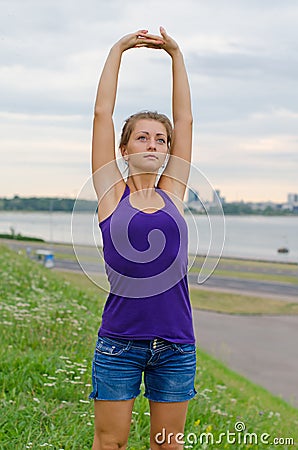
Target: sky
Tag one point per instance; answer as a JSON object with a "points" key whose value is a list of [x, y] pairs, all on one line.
{"points": [[242, 62]]}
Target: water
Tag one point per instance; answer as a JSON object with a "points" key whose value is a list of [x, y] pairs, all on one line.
{"points": [[255, 237]]}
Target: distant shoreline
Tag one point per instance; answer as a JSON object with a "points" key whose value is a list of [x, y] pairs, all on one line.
{"points": [[254, 214]]}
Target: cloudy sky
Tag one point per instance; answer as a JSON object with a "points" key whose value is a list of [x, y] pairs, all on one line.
{"points": [[242, 61]]}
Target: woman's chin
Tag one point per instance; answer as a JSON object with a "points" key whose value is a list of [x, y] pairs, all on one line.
{"points": [[150, 167]]}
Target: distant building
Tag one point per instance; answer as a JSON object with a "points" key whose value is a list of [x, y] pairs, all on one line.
{"points": [[217, 196], [292, 203], [293, 199], [194, 202], [193, 196]]}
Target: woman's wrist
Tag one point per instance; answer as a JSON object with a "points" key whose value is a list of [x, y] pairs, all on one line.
{"points": [[118, 48], [175, 53]]}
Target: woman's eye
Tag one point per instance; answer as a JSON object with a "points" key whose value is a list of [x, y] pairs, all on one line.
{"points": [[141, 138], [161, 141]]}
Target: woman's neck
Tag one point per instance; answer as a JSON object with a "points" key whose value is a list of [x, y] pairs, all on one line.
{"points": [[141, 182]]}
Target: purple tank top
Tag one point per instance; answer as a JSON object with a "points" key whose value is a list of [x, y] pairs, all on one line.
{"points": [[146, 256]]}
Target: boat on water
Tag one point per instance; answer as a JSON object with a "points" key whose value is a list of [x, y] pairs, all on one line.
{"points": [[283, 250]]}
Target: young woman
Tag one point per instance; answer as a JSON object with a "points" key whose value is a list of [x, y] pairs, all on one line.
{"points": [[147, 325]]}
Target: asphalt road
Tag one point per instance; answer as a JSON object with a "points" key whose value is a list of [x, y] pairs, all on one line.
{"points": [[262, 348], [285, 291]]}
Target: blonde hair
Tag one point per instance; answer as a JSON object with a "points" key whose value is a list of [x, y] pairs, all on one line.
{"points": [[131, 121]]}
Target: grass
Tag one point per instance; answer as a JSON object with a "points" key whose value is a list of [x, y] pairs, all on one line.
{"points": [[240, 304], [249, 264], [20, 237], [253, 275], [48, 332]]}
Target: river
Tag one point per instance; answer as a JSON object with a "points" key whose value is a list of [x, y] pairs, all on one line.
{"points": [[251, 237]]}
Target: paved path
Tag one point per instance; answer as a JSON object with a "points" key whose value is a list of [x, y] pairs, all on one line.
{"points": [[262, 348]]}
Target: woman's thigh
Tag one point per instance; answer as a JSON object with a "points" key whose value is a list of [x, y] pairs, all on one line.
{"points": [[112, 423], [167, 424]]}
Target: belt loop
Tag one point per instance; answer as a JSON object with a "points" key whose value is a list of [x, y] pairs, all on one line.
{"points": [[129, 345]]}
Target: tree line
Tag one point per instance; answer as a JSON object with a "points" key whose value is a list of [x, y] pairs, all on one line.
{"points": [[45, 204]]}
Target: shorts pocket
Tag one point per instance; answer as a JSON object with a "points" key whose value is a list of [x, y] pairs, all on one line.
{"points": [[106, 346], [186, 349]]}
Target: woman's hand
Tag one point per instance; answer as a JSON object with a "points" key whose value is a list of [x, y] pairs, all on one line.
{"points": [[164, 42], [140, 38], [169, 45]]}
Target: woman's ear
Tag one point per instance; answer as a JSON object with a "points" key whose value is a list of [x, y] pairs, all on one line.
{"points": [[123, 151]]}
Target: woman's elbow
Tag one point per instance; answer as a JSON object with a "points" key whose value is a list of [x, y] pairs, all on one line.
{"points": [[185, 119], [101, 112]]}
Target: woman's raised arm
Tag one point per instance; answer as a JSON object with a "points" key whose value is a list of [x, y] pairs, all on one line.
{"points": [[175, 176]]}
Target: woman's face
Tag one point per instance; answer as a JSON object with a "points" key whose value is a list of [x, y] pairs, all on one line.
{"points": [[147, 147]]}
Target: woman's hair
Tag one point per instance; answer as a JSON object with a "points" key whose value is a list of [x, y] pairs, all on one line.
{"points": [[130, 122]]}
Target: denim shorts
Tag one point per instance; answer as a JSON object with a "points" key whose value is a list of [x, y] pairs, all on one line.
{"points": [[119, 364]]}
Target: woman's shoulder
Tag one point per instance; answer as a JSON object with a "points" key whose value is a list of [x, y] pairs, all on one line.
{"points": [[167, 193], [110, 199]]}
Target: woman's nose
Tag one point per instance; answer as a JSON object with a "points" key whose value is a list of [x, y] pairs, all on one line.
{"points": [[151, 144]]}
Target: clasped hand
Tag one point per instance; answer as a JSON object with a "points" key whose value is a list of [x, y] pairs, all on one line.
{"points": [[142, 38]]}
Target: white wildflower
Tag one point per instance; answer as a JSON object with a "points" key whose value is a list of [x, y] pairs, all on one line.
{"points": [[221, 386]]}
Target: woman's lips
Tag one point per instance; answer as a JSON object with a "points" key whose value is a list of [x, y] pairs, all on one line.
{"points": [[151, 156]]}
